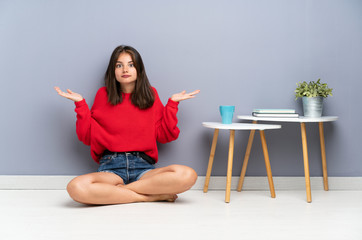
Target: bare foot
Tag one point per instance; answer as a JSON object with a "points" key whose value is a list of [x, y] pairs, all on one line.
{"points": [[153, 197], [161, 198]]}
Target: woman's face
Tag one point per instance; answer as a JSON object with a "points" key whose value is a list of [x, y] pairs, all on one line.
{"points": [[126, 73]]}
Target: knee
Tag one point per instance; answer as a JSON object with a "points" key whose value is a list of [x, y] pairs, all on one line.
{"points": [[187, 176], [77, 189]]}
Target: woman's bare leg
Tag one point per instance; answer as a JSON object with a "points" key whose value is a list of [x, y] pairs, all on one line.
{"points": [[172, 179], [108, 188]]}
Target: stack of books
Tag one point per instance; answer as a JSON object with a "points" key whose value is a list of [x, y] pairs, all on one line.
{"points": [[277, 113]]}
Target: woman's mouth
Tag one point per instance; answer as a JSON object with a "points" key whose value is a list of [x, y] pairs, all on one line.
{"points": [[126, 76]]}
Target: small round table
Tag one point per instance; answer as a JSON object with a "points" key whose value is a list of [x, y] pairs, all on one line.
{"points": [[302, 121], [232, 127]]}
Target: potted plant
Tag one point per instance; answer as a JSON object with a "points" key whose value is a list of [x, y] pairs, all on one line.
{"points": [[312, 95]]}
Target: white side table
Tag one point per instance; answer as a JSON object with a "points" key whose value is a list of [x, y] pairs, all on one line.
{"points": [[302, 121], [232, 127]]}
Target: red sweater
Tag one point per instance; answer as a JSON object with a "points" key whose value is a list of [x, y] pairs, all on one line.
{"points": [[125, 127]]}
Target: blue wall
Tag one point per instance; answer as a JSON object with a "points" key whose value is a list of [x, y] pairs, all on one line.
{"points": [[246, 53]]}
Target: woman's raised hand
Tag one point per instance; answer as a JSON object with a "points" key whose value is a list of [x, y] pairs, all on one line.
{"points": [[177, 97], [76, 97]]}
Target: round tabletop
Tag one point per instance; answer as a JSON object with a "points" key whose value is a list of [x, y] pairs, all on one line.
{"points": [[299, 119], [240, 126]]}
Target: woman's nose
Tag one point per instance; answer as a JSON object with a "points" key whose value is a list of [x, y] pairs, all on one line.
{"points": [[125, 69]]}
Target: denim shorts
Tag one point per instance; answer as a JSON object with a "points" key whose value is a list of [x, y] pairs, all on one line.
{"points": [[130, 166]]}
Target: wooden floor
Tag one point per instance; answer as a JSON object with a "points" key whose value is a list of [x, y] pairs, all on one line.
{"points": [[51, 214]]}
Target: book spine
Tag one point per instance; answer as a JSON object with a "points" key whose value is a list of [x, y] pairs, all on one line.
{"points": [[280, 115], [282, 111]]}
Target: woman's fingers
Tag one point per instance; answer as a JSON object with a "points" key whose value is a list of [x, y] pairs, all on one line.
{"points": [[57, 89], [69, 94], [191, 95], [194, 92], [60, 92], [183, 95]]}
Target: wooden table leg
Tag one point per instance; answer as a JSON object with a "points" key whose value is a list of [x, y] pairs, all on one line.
{"points": [[230, 166], [267, 163], [246, 159], [211, 160], [306, 163], [323, 153]]}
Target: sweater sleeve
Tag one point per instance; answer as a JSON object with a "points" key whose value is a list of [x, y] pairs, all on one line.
{"points": [[166, 125], [83, 124]]}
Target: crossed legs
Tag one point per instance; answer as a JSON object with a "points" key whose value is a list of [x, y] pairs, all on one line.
{"points": [[160, 184]]}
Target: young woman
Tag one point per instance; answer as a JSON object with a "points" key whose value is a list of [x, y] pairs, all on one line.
{"points": [[126, 120]]}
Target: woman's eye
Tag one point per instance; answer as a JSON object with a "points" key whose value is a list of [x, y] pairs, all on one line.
{"points": [[118, 65], [131, 65]]}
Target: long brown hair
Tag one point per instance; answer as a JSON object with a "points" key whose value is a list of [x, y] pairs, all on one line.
{"points": [[143, 95]]}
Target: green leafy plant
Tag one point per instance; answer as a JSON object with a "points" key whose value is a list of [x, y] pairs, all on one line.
{"points": [[312, 89]]}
